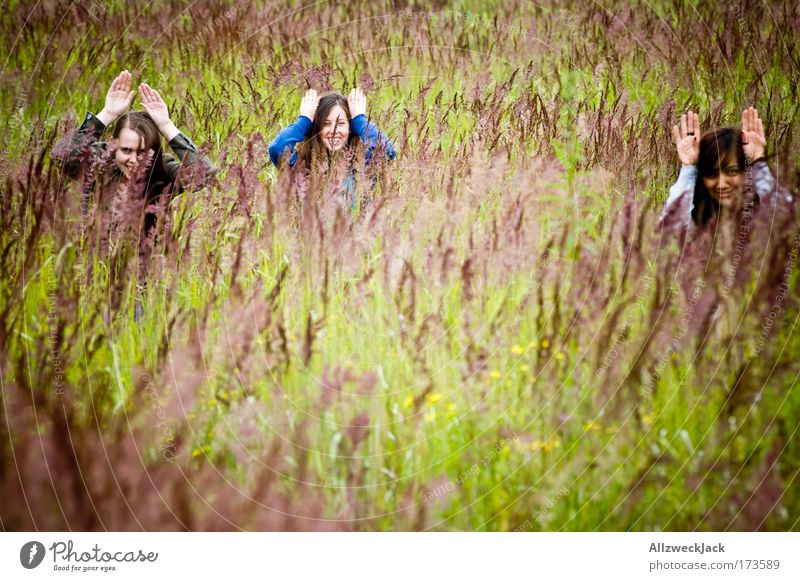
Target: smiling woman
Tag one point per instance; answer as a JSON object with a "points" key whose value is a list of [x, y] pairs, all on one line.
{"points": [[326, 128], [135, 144], [725, 159]]}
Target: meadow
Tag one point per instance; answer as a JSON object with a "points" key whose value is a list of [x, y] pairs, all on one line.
{"points": [[499, 337]]}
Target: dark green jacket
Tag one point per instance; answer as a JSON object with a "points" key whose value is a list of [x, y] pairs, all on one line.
{"points": [[84, 146]]}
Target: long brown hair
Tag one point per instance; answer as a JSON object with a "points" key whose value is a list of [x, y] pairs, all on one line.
{"points": [[312, 152], [716, 148]]}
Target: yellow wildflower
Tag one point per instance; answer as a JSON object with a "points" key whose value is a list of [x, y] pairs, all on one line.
{"points": [[434, 397], [409, 401], [517, 350], [494, 374], [560, 356], [648, 419], [524, 368], [545, 343], [591, 426]]}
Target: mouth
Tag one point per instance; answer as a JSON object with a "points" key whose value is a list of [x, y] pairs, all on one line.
{"points": [[724, 194], [335, 142]]}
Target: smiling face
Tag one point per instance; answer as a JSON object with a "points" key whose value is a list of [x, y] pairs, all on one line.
{"points": [[335, 129], [726, 184], [130, 149]]}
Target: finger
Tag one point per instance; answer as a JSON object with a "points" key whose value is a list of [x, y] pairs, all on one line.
{"points": [[684, 131], [143, 94], [746, 120], [761, 129], [130, 98], [676, 134], [695, 126]]}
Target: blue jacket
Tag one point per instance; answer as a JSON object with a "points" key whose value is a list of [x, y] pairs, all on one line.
{"points": [[369, 133]]}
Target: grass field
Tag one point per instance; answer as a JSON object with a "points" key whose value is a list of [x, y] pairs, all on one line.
{"points": [[501, 339]]}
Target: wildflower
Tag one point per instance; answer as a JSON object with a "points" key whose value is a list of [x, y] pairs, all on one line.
{"points": [[545, 343], [648, 419], [434, 397], [524, 368], [451, 410], [550, 445], [559, 356], [409, 401], [591, 426], [494, 374], [517, 350]]}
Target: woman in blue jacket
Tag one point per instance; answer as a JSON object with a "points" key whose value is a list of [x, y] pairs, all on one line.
{"points": [[331, 128]]}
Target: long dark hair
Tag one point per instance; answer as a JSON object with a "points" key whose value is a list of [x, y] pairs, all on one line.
{"points": [[716, 147], [155, 175], [312, 151]]}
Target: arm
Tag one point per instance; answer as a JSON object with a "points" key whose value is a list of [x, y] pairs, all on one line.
{"points": [[83, 144], [188, 156], [681, 196], [754, 142], [372, 137], [297, 131], [74, 152], [288, 138]]}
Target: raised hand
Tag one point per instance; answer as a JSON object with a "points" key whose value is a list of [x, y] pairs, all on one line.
{"points": [[118, 99], [357, 103], [754, 141], [308, 105], [687, 138], [154, 105]]}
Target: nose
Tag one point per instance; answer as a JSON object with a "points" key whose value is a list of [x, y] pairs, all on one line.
{"points": [[722, 182]]}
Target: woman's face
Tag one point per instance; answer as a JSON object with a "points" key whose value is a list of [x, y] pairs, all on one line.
{"points": [[129, 152], [726, 185], [335, 129]]}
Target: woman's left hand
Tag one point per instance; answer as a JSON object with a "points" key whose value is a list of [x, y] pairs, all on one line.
{"points": [[357, 102], [754, 141], [155, 106]]}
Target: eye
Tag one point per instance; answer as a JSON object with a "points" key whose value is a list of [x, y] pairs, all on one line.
{"points": [[732, 171]]}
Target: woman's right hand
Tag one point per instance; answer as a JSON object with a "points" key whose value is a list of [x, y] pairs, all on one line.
{"points": [[687, 138], [308, 106], [118, 99]]}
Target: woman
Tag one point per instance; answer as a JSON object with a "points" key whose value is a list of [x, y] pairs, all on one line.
{"points": [[133, 159], [732, 167], [131, 172], [329, 129]]}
